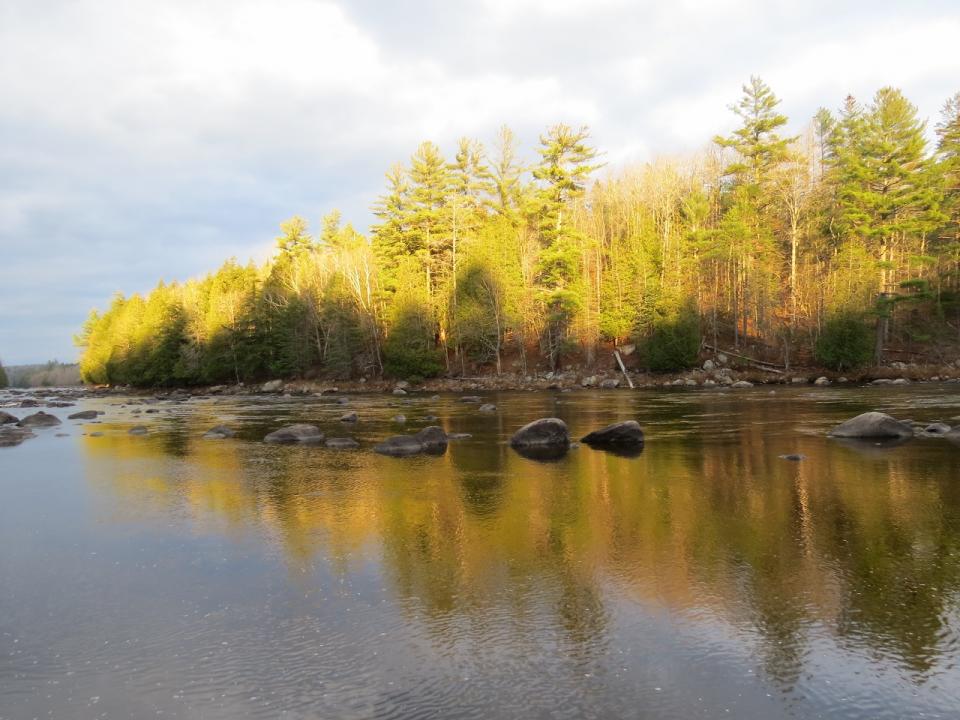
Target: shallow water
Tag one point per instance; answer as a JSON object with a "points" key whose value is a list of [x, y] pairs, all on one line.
{"points": [[168, 575]]}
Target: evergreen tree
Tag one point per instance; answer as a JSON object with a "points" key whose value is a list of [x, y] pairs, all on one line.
{"points": [[566, 162], [4, 380]]}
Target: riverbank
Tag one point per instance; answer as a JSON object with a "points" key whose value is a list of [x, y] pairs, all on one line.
{"points": [[711, 375]]}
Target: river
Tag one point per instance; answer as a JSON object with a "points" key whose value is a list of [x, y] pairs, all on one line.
{"points": [[173, 576]]}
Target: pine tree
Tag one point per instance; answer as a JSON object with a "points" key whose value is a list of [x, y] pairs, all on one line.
{"points": [[566, 162], [4, 380]]}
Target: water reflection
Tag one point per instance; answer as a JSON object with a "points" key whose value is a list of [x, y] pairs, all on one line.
{"points": [[857, 543]]}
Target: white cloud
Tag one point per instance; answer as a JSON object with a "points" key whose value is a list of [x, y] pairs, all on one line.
{"points": [[144, 140]]}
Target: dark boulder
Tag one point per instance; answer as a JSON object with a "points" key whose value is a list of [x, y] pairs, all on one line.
{"points": [[299, 433], [11, 436], [872, 425], [545, 432], [83, 415], [39, 419], [622, 434], [431, 440], [8, 419]]}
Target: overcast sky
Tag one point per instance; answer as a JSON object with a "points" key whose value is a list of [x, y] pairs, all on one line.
{"points": [[154, 139]]}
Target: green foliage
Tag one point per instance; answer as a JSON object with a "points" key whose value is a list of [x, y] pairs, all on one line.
{"points": [[410, 349], [4, 381], [673, 343], [844, 343]]}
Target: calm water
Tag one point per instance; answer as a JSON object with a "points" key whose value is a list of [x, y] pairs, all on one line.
{"points": [[172, 576]]}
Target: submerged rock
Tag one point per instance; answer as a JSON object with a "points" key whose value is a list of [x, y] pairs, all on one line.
{"points": [[341, 443], [8, 419], [470, 399], [39, 419], [487, 408], [873, 425], [298, 433], [431, 440], [399, 419], [83, 415], [350, 417], [796, 457], [11, 435], [138, 430], [219, 432], [622, 434], [545, 432], [28, 403], [937, 429]]}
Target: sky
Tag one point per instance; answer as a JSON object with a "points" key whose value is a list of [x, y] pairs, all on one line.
{"points": [[144, 140]]}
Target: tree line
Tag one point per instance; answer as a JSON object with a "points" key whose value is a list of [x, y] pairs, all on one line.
{"points": [[832, 246]]}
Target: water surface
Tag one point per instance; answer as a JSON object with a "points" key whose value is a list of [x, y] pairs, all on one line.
{"points": [[168, 575]]}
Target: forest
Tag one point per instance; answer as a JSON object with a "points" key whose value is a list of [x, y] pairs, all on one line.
{"points": [[837, 246]]}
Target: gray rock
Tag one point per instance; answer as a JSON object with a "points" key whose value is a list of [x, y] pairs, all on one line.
{"points": [[39, 419], [219, 432], [8, 419], [937, 429], [342, 443], [399, 419], [545, 432], [722, 359], [709, 365], [821, 381], [709, 383], [589, 381], [399, 391], [272, 386], [470, 399], [403, 385], [799, 380], [882, 381], [350, 417], [900, 381], [487, 408], [298, 433], [872, 425], [430, 418], [842, 380], [609, 383], [627, 432], [742, 384], [96, 434], [83, 415], [431, 440], [138, 430], [459, 436], [795, 457], [11, 435], [28, 403]]}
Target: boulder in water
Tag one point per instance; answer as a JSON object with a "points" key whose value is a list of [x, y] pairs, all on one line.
{"points": [[350, 417], [431, 440], [872, 425], [219, 432], [138, 430], [272, 386], [341, 443], [487, 408], [83, 415], [39, 419], [298, 433], [8, 419], [623, 434], [545, 432], [11, 435]]}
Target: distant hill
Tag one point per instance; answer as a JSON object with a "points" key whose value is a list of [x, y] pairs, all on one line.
{"points": [[50, 374]]}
